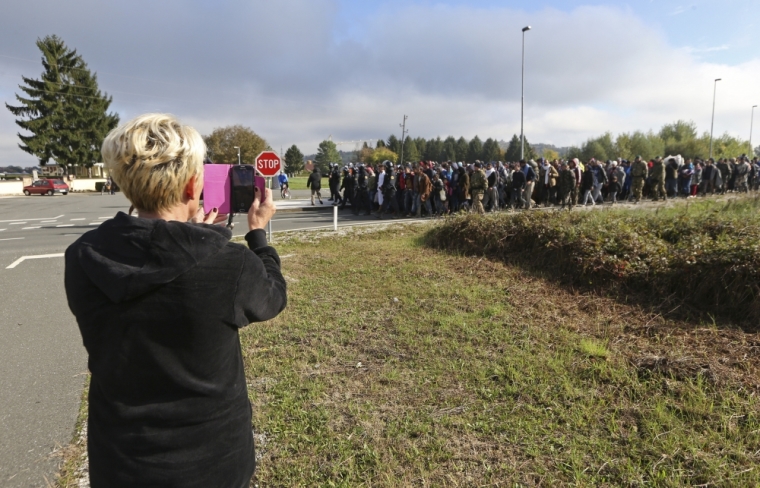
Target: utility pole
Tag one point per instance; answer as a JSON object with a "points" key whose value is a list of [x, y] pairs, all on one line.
{"points": [[403, 136], [522, 96], [712, 123], [751, 121]]}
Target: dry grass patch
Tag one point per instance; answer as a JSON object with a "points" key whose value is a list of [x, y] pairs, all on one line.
{"points": [[398, 365]]}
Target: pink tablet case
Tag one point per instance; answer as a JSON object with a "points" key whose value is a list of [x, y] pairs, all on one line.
{"points": [[217, 187]]}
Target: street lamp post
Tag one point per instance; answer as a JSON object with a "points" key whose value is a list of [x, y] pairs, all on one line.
{"points": [[522, 96], [712, 122], [238, 148], [751, 120]]}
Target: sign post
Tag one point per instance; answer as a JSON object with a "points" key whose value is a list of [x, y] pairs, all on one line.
{"points": [[268, 165]]}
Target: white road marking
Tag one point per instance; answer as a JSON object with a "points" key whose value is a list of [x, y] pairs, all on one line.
{"points": [[28, 228], [12, 239], [48, 222], [102, 218], [95, 223], [65, 225], [18, 223], [77, 219], [43, 218], [2, 230], [39, 256]]}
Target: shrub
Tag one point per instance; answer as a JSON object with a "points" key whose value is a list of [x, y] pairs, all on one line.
{"points": [[703, 254]]}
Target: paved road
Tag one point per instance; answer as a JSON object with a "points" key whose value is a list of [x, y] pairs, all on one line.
{"points": [[43, 225], [43, 361], [41, 372]]}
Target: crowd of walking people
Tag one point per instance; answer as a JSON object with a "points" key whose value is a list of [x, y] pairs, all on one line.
{"points": [[433, 189]]}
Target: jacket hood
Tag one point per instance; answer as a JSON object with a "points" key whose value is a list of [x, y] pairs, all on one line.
{"points": [[128, 256]]}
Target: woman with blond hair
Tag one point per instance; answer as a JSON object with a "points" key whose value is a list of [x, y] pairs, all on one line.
{"points": [[159, 298]]}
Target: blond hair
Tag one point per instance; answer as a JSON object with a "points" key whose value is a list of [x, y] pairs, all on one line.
{"points": [[152, 158]]}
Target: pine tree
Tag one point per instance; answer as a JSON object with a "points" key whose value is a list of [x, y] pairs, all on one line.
{"points": [[461, 149], [529, 152], [475, 150], [491, 151], [449, 151], [380, 143], [64, 110], [512, 154], [393, 144], [293, 160], [434, 150], [326, 154], [411, 154], [421, 144]]}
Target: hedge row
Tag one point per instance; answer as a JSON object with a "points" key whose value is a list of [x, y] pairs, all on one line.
{"points": [[702, 254]]}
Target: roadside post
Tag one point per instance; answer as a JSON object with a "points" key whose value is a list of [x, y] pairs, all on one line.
{"points": [[335, 218], [268, 165]]}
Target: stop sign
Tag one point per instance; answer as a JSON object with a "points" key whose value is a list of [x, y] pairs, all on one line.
{"points": [[268, 163]]}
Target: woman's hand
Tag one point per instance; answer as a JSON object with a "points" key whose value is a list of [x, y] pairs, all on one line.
{"points": [[262, 210], [213, 217]]}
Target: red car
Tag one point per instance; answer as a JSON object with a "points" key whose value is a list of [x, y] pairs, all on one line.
{"points": [[47, 187]]}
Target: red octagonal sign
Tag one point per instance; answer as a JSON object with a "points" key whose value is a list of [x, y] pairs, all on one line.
{"points": [[268, 163]]}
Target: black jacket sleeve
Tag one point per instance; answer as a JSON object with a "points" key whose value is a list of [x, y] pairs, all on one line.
{"points": [[261, 292]]}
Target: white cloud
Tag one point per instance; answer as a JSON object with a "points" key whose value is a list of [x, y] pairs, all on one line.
{"points": [[705, 50], [682, 9], [277, 67]]}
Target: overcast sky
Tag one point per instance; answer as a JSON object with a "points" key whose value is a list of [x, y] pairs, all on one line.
{"points": [[298, 71]]}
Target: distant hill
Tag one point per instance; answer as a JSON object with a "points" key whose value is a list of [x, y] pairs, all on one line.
{"points": [[539, 148]]}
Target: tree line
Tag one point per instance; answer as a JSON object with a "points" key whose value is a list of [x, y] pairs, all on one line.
{"points": [[421, 149], [680, 137]]}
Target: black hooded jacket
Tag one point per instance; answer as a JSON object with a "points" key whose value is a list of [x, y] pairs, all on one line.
{"points": [[159, 305], [314, 181]]}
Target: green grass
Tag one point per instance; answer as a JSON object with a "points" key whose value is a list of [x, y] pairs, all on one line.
{"points": [[73, 456], [700, 258], [594, 349], [400, 365], [397, 365], [299, 182]]}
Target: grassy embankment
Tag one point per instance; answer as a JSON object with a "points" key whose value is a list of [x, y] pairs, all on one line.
{"points": [[700, 257], [400, 365]]}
